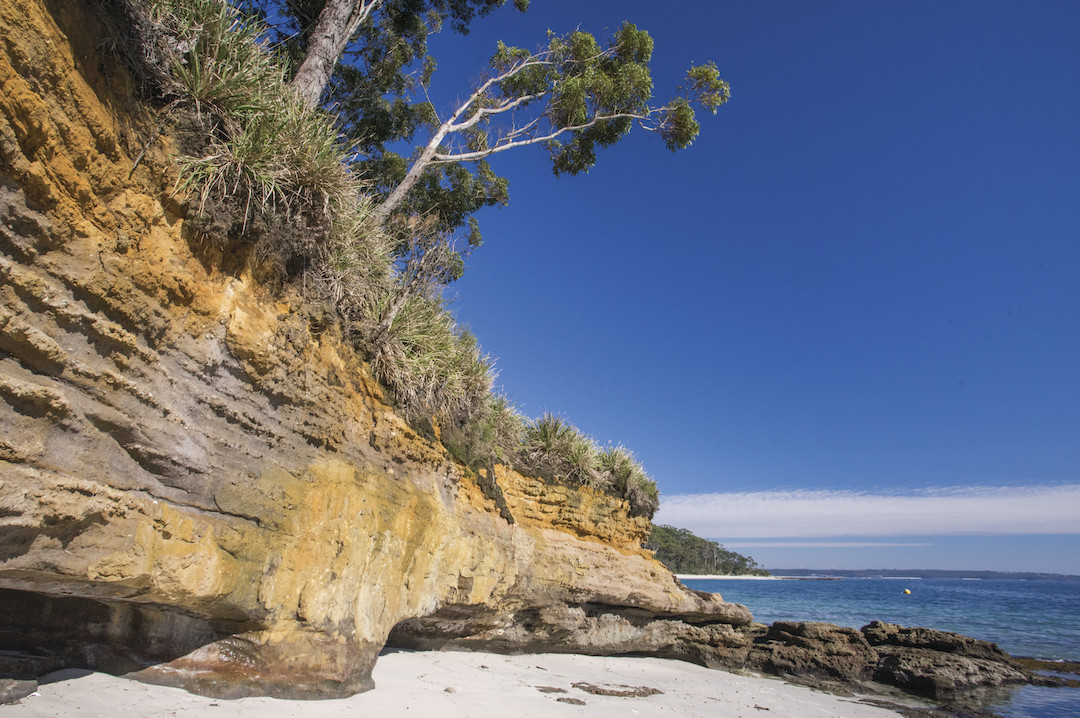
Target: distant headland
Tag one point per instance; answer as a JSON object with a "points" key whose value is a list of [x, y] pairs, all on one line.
{"points": [[922, 573]]}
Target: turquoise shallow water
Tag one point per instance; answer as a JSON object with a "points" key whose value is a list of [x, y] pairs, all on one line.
{"points": [[1025, 618]]}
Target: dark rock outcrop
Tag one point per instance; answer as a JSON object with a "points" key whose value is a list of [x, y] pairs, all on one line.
{"points": [[13, 691], [814, 651], [938, 664], [942, 675], [886, 636], [562, 628]]}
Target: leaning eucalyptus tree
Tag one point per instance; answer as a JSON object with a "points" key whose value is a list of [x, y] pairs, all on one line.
{"points": [[570, 97], [368, 60]]}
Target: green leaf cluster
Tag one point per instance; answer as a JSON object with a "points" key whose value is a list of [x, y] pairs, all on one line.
{"points": [[590, 82], [597, 94]]}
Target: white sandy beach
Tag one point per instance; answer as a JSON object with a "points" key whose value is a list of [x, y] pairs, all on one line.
{"points": [[718, 576], [450, 684]]}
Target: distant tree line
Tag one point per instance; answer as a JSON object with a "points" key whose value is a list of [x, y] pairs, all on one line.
{"points": [[924, 573], [683, 552]]}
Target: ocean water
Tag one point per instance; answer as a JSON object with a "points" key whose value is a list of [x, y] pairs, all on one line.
{"points": [[1040, 619]]}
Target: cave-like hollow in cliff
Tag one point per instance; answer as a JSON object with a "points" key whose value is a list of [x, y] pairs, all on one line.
{"points": [[43, 633]]}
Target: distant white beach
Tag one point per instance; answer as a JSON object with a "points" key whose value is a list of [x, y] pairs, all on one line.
{"points": [[718, 576]]}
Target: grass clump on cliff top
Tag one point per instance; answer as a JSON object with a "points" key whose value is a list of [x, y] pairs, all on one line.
{"points": [[494, 435], [554, 449], [263, 149], [309, 216], [276, 169], [627, 478]]}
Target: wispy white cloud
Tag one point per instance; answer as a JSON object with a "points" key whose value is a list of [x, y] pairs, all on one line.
{"points": [[821, 544], [948, 511]]}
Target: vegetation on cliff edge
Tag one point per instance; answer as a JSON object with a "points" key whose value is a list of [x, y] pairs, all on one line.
{"points": [[684, 553], [269, 169]]}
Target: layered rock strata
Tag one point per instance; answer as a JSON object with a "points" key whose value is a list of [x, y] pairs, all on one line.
{"points": [[198, 479]]}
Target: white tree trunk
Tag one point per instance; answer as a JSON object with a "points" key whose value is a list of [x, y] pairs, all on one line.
{"points": [[337, 23]]}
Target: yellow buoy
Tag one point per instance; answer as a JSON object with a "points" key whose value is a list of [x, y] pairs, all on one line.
{"points": [[907, 591]]}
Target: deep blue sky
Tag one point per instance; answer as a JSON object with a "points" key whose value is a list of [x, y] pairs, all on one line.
{"points": [[862, 279]]}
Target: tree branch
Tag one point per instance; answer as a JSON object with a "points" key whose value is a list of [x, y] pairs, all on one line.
{"points": [[502, 146], [452, 125], [601, 93]]}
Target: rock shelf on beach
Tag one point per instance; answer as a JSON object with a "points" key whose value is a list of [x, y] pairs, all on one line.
{"points": [[944, 667]]}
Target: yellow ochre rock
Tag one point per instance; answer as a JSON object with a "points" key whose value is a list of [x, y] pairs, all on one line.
{"points": [[192, 481]]}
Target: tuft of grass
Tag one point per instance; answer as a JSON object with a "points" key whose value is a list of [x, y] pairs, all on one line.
{"points": [[556, 449], [626, 477], [265, 148], [432, 366], [217, 59], [355, 264], [644, 497], [493, 435]]}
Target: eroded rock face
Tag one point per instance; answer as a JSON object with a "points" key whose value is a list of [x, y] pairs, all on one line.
{"points": [[197, 475]]}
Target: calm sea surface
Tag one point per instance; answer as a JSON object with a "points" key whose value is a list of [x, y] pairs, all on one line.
{"points": [[1025, 618]]}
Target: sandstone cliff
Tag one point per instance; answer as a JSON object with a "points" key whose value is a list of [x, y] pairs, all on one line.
{"points": [[199, 476]]}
